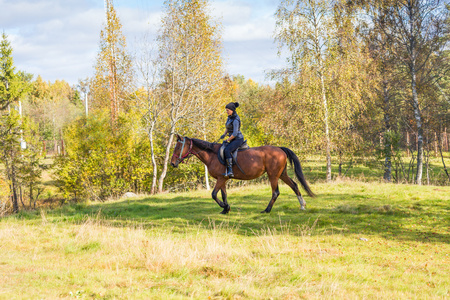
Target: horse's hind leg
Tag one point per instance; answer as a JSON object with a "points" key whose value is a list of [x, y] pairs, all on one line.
{"points": [[220, 185], [275, 194], [226, 208], [288, 180]]}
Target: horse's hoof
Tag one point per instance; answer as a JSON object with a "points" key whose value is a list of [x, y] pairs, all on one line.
{"points": [[265, 211], [302, 208], [225, 210]]}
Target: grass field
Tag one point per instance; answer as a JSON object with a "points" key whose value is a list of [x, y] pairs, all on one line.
{"points": [[355, 241]]}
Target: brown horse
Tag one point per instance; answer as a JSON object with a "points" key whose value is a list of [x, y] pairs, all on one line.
{"points": [[253, 163]]}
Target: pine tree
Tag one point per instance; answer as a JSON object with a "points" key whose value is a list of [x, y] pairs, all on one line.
{"points": [[11, 85], [12, 88]]}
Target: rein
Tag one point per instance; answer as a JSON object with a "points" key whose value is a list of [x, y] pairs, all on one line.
{"points": [[188, 153]]}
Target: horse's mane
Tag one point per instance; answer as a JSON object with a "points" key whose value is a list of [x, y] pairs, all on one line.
{"points": [[204, 145]]}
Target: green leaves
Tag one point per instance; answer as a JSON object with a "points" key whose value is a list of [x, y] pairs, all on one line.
{"points": [[12, 87], [101, 163]]}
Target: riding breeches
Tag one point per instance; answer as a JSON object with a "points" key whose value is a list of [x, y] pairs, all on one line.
{"points": [[233, 145]]}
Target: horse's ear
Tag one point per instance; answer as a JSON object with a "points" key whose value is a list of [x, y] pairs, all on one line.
{"points": [[179, 138]]}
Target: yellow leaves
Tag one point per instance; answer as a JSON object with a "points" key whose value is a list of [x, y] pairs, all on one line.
{"points": [[109, 87], [4, 191]]}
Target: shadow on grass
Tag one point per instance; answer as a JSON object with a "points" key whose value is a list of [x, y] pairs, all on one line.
{"points": [[425, 221]]}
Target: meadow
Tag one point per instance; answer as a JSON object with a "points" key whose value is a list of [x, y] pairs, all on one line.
{"points": [[356, 240]]}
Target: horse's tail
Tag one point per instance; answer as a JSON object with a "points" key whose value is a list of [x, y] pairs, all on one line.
{"points": [[298, 170]]}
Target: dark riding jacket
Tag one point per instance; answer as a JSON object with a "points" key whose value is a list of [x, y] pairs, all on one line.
{"points": [[233, 126]]}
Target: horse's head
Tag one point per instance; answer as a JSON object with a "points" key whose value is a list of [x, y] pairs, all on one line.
{"points": [[182, 150]]}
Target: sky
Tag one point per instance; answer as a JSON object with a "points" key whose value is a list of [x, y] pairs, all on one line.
{"points": [[59, 39]]}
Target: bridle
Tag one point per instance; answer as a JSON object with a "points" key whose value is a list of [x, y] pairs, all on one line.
{"points": [[188, 153]]}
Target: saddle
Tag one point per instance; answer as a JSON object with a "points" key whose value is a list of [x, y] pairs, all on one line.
{"points": [[221, 154]]}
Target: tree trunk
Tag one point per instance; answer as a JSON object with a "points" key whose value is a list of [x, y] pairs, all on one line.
{"points": [[442, 157], [418, 117], [21, 196], [31, 195], [206, 168], [435, 144], [407, 142], [387, 138], [155, 166], [447, 143], [166, 162], [327, 131], [14, 193]]}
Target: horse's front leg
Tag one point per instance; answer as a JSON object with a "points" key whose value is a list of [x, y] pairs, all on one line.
{"points": [[220, 185]]}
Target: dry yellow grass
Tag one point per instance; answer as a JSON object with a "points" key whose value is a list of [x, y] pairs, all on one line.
{"points": [[51, 256]]}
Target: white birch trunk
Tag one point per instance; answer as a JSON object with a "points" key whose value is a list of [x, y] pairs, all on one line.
{"points": [[327, 131], [166, 162]]}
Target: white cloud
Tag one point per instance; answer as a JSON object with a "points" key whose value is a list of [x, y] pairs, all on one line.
{"points": [[244, 21], [59, 46], [59, 39], [230, 11]]}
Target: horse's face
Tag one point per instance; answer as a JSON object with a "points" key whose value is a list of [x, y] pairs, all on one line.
{"points": [[180, 152]]}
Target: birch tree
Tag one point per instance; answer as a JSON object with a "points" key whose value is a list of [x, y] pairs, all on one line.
{"points": [[417, 30], [191, 65], [325, 56], [389, 82], [150, 99], [304, 27]]}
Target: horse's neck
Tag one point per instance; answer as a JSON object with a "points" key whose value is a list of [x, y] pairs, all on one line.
{"points": [[203, 155]]}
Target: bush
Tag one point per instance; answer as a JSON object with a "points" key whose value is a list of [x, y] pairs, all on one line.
{"points": [[101, 163]]}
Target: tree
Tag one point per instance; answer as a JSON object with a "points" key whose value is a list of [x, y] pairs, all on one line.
{"points": [[388, 78], [11, 84], [304, 27], [10, 137], [326, 63], [101, 163], [150, 99], [190, 66], [30, 165], [12, 88], [113, 71], [417, 30], [52, 106]]}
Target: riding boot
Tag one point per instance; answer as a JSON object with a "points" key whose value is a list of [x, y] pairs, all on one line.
{"points": [[229, 168]]}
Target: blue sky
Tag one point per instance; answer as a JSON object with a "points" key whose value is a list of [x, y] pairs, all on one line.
{"points": [[59, 39]]}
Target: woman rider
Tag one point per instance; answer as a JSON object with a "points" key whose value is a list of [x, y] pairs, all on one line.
{"points": [[235, 136]]}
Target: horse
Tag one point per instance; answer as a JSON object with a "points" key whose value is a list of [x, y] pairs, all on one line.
{"points": [[252, 163]]}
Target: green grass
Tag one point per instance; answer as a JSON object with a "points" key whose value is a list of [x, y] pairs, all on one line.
{"points": [[368, 169], [356, 240]]}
